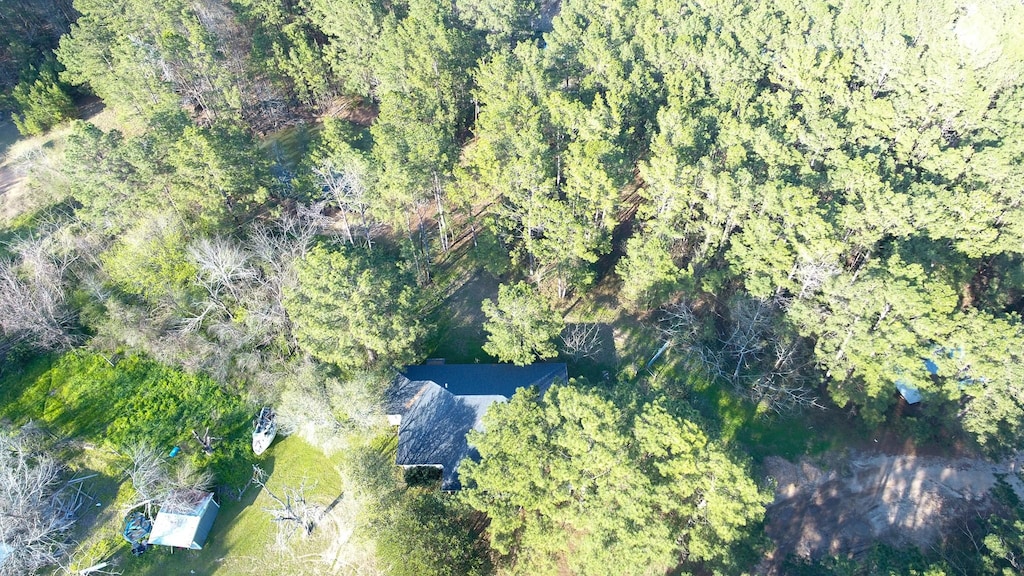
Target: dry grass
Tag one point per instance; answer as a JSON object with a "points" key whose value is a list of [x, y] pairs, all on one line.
{"points": [[27, 163]]}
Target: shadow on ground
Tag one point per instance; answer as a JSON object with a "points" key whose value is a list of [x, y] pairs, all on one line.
{"points": [[460, 332]]}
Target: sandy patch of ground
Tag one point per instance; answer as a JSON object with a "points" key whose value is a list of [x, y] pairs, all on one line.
{"points": [[902, 500], [12, 193]]}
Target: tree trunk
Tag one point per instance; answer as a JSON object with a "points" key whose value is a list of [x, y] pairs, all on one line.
{"points": [[442, 226]]}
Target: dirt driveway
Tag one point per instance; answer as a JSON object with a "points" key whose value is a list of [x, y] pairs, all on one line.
{"points": [[864, 498], [10, 178], [11, 192]]}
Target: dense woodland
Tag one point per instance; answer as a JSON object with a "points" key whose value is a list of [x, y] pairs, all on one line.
{"points": [[801, 202]]}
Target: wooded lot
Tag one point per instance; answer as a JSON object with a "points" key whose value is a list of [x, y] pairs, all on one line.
{"points": [[746, 226]]}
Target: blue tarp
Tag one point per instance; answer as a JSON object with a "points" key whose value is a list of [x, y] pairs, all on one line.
{"points": [[909, 392]]}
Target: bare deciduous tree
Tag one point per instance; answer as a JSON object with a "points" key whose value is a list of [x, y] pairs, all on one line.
{"points": [[678, 321], [294, 513], [346, 186], [813, 274], [37, 507], [753, 354], [146, 469], [205, 440], [223, 266], [156, 481], [33, 306], [581, 340], [749, 335]]}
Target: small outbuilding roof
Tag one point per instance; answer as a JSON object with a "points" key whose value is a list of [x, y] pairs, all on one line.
{"points": [[185, 526]]}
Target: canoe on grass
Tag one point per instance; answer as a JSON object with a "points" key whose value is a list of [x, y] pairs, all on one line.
{"points": [[264, 429]]}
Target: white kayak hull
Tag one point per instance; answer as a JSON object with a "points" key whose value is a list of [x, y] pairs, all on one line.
{"points": [[262, 441], [264, 430]]}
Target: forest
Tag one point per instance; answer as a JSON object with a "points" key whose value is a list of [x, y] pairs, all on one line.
{"points": [[774, 242]]}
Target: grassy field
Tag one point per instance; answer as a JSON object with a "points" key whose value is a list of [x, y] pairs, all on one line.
{"points": [[243, 538], [80, 399]]}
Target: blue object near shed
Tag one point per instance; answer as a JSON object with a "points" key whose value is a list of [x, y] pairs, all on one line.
{"points": [[174, 452]]}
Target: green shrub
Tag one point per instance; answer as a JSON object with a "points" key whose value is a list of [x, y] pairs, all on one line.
{"points": [[43, 103], [150, 262]]}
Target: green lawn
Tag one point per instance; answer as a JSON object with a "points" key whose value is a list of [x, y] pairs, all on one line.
{"points": [[93, 407], [243, 536]]}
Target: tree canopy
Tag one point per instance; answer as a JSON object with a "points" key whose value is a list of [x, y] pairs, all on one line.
{"points": [[573, 480], [521, 327], [353, 310]]}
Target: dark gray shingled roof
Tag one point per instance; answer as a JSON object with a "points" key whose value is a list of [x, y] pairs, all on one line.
{"points": [[440, 404], [487, 379]]}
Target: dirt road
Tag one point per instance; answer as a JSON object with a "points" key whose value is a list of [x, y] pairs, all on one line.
{"points": [[865, 498], [9, 178]]}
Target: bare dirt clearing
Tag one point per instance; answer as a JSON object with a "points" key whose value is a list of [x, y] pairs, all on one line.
{"points": [[8, 177], [901, 500]]}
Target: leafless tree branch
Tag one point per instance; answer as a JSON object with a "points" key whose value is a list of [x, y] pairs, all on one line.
{"points": [[293, 512], [37, 507], [581, 340]]}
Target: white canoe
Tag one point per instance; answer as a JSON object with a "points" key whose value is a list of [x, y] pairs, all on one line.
{"points": [[264, 429]]}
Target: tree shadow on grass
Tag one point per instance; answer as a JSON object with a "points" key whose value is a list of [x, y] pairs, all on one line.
{"points": [[8, 134], [459, 320]]}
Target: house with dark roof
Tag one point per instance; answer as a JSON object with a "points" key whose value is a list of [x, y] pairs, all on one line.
{"points": [[437, 404]]}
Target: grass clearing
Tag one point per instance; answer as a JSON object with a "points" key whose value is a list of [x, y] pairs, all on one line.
{"points": [[459, 334], [93, 406], [242, 541], [288, 146]]}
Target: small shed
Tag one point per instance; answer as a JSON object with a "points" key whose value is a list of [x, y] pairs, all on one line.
{"points": [[187, 523]]}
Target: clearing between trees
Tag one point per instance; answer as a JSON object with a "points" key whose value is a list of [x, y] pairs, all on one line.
{"points": [[846, 506]]}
